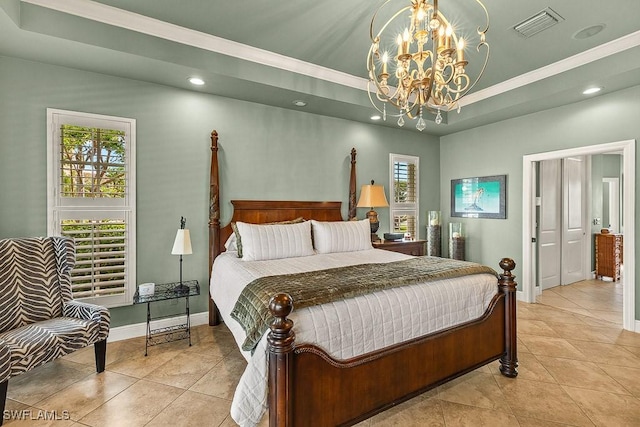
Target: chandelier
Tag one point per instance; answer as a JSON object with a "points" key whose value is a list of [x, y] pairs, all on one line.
{"points": [[427, 61]]}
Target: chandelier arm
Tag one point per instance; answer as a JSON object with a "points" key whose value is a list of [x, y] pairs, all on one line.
{"points": [[372, 53], [411, 113], [463, 89], [380, 110], [484, 66], [375, 41], [384, 27], [451, 66], [486, 28], [432, 79], [388, 98]]}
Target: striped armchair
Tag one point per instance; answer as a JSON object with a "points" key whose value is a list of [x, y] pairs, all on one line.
{"points": [[39, 321]]}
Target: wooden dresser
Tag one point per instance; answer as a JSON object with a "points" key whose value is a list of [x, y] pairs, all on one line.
{"points": [[608, 255], [409, 247]]}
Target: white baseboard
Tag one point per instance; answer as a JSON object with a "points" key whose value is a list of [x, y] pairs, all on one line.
{"points": [[520, 296], [637, 325], [140, 329]]}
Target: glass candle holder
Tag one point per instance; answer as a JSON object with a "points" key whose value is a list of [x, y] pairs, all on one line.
{"points": [[434, 233], [434, 218], [456, 240]]}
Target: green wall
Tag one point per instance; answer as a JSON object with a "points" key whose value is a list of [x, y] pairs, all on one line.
{"points": [[265, 153], [498, 149]]}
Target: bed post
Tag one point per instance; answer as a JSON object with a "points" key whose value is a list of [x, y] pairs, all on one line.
{"points": [[507, 285], [352, 187], [281, 339], [214, 220]]}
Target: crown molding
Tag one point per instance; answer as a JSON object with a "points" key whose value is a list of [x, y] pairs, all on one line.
{"points": [[602, 51], [110, 15], [116, 17]]}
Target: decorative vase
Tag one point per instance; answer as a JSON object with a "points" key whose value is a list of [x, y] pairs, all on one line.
{"points": [[434, 233], [456, 240]]}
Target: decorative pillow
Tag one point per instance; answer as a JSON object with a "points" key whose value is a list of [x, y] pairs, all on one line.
{"points": [[341, 236], [274, 241], [238, 240]]}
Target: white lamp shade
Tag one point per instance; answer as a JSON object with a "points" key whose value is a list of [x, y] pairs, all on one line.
{"points": [[182, 244]]}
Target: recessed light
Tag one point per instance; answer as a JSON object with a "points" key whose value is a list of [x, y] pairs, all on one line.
{"points": [[299, 103], [197, 81], [376, 117], [591, 90], [587, 32]]}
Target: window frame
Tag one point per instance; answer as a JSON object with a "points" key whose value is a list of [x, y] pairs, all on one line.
{"points": [[59, 208], [399, 208]]}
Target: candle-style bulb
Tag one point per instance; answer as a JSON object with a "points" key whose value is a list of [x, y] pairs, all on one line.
{"points": [[447, 37], [461, 49], [385, 58], [405, 42], [440, 38]]}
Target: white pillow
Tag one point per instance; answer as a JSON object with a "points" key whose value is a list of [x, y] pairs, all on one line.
{"points": [[230, 245], [274, 241], [341, 236]]}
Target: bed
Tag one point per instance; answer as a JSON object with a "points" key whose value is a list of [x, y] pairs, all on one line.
{"points": [[308, 384]]}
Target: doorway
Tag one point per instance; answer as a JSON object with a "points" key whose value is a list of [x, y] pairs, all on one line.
{"points": [[529, 289]]}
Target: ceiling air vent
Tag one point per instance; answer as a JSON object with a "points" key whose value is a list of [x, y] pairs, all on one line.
{"points": [[538, 22]]}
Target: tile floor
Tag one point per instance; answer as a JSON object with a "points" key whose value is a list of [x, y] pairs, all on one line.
{"points": [[577, 367]]}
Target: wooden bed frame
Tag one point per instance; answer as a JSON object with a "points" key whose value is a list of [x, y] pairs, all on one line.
{"points": [[309, 387]]}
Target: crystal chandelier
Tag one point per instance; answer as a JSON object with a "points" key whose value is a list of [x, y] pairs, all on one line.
{"points": [[427, 62]]}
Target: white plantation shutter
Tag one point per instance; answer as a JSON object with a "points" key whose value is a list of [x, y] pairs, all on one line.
{"points": [[404, 195], [91, 198], [100, 256]]}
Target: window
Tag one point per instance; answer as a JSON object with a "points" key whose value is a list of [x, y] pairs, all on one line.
{"points": [[91, 198], [404, 194]]}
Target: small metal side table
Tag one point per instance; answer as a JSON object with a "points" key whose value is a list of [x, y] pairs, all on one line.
{"points": [[164, 292]]}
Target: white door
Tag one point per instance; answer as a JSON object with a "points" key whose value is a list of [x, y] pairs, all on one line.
{"points": [[549, 224], [574, 220]]}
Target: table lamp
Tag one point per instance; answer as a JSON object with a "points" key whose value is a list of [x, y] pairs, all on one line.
{"points": [[182, 246], [372, 196]]}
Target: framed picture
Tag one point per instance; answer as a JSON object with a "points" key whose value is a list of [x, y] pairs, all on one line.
{"points": [[480, 197]]}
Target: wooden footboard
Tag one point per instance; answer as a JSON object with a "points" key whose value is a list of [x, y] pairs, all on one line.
{"points": [[309, 387]]}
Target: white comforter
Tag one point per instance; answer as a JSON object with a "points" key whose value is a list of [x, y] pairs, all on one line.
{"points": [[345, 328]]}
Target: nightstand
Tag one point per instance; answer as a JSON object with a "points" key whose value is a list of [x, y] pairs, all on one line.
{"points": [[409, 247]]}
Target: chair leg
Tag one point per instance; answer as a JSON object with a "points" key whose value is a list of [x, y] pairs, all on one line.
{"points": [[3, 399], [100, 348]]}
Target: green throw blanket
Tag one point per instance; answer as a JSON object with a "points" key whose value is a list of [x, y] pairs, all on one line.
{"points": [[324, 286]]}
